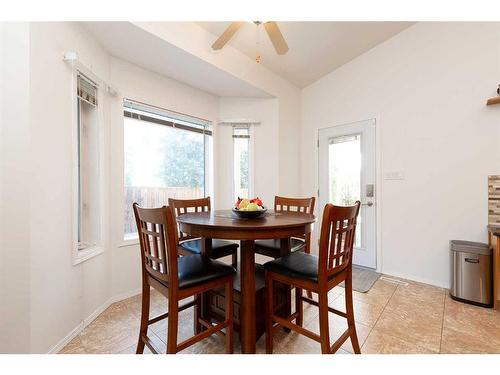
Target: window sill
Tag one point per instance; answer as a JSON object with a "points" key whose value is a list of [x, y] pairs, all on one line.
{"points": [[86, 254], [130, 241]]}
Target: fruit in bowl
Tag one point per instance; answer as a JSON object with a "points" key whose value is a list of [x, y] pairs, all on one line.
{"points": [[249, 208]]}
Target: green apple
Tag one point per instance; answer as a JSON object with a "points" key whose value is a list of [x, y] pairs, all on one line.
{"points": [[252, 207]]}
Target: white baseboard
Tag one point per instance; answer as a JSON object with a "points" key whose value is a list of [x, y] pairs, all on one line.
{"points": [[416, 278], [70, 336], [125, 295], [81, 326]]}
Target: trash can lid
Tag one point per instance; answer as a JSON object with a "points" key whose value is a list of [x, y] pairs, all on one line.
{"points": [[470, 247]]}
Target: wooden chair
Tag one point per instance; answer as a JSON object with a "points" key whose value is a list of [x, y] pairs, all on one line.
{"points": [[192, 245], [272, 248], [319, 274], [177, 278]]}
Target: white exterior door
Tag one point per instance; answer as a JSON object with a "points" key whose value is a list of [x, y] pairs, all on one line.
{"points": [[347, 173]]}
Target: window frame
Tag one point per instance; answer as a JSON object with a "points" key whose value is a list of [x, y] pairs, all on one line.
{"points": [[79, 254], [250, 161], [208, 145]]}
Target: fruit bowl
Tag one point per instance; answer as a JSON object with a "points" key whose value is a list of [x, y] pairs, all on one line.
{"points": [[249, 214]]}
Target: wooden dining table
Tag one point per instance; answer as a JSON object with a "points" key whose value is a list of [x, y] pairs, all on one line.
{"points": [[224, 224]]}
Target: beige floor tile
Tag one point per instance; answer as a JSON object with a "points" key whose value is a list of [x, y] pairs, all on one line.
{"points": [[160, 346], [379, 294], [380, 343], [421, 293], [420, 326], [364, 313], [75, 346], [293, 343], [470, 329], [406, 319], [401, 303], [338, 326], [113, 331]]}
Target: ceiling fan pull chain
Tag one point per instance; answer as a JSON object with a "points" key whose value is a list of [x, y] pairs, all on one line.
{"points": [[258, 56]]}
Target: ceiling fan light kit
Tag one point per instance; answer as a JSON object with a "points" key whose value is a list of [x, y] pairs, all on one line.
{"points": [[272, 31]]}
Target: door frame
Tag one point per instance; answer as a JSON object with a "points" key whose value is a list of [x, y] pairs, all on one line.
{"points": [[378, 182]]}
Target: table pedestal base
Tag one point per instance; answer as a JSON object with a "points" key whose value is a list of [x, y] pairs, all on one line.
{"points": [[215, 302]]}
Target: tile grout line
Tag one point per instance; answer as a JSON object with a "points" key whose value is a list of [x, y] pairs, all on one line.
{"points": [[376, 321], [442, 323]]}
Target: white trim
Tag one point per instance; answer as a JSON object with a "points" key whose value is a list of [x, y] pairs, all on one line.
{"points": [[83, 324], [125, 295], [71, 58], [416, 279], [86, 254], [79, 328], [359, 126], [70, 336], [126, 243], [80, 256], [378, 191], [251, 162]]}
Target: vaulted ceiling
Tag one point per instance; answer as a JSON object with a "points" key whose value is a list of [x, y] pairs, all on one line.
{"points": [[316, 48]]}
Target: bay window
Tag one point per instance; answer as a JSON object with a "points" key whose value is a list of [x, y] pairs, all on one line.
{"points": [[166, 156]]}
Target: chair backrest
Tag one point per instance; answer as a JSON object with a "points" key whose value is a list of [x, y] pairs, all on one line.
{"points": [[183, 206], [336, 241], [158, 239], [301, 205], [304, 205]]}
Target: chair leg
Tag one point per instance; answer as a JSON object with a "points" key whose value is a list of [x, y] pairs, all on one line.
{"points": [[307, 250], [269, 314], [324, 331], [197, 314], [299, 307], [350, 314], [173, 320], [143, 331], [234, 261], [229, 317]]}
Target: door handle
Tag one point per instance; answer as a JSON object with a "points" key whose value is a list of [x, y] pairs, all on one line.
{"points": [[369, 204]]}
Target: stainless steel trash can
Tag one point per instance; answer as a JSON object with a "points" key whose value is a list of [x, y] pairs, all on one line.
{"points": [[471, 272]]}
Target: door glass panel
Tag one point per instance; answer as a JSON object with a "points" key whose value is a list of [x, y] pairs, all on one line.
{"points": [[344, 173]]}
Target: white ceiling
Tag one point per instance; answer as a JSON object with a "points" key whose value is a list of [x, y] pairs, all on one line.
{"points": [[131, 43], [316, 48]]}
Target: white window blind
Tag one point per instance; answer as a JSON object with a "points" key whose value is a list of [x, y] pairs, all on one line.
{"points": [[86, 89], [152, 114]]}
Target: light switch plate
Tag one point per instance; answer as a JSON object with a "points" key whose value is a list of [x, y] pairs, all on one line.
{"points": [[394, 175]]}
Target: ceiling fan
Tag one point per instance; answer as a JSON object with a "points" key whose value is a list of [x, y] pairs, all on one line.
{"points": [[272, 30]]}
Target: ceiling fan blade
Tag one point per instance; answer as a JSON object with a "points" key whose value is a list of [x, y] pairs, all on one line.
{"points": [[226, 35], [276, 37]]}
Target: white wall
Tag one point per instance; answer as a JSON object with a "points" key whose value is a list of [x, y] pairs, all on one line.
{"points": [[264, 149], [58, 296], [14, 188], [135, 83], [196, 40], [427, 87], [62, 295]]}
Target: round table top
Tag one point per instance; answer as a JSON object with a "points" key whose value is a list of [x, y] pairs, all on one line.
{"points": [[224, 224]]}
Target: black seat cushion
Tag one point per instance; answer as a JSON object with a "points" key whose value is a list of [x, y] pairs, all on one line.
{"points": [[298, 265], [218, 247], [195, 269], [275, 245]]}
